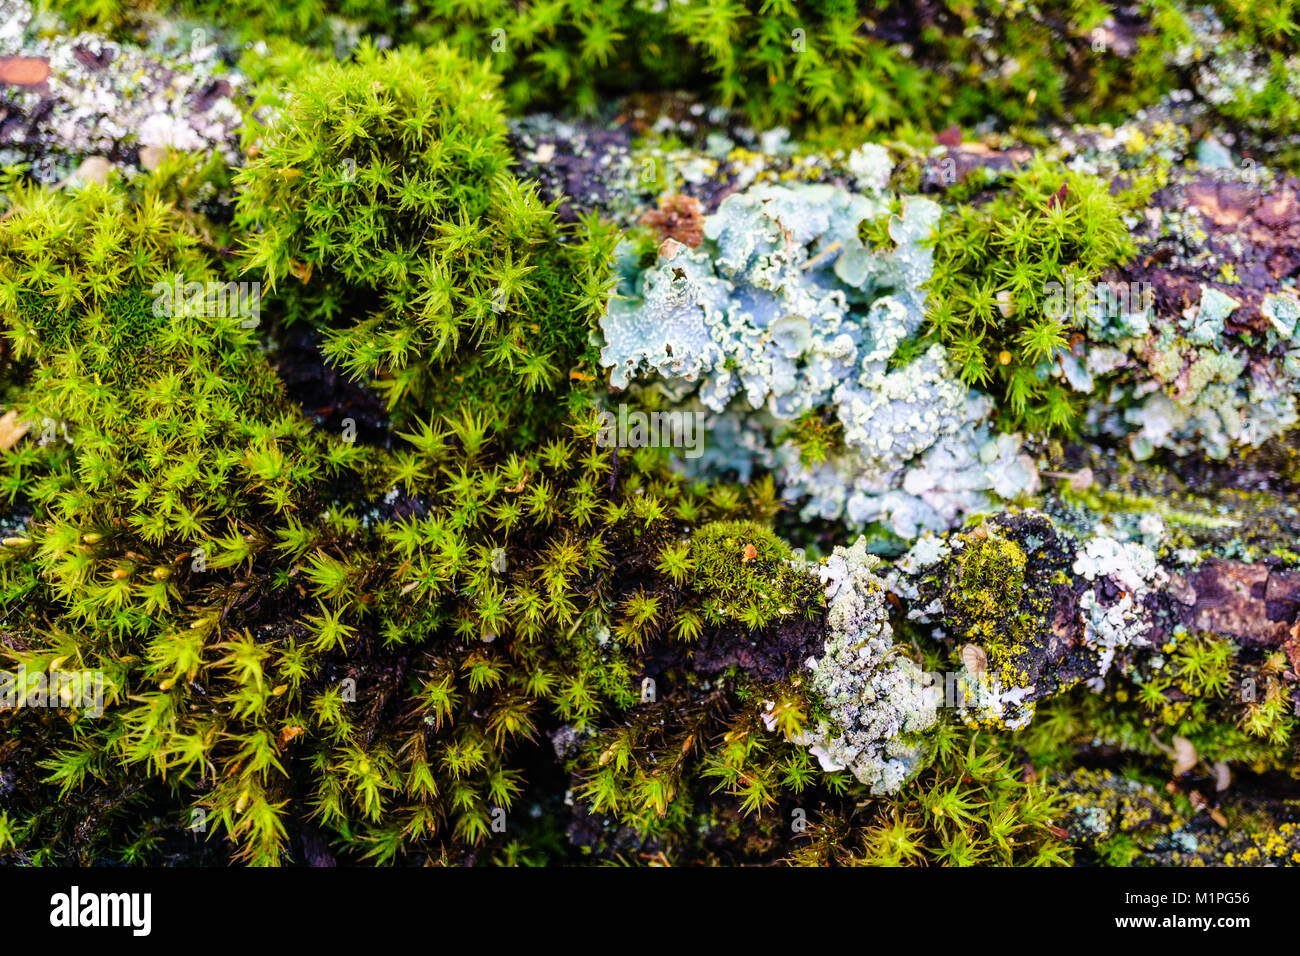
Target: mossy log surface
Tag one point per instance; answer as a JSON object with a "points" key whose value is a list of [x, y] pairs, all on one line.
{"points": [[693, 434]]}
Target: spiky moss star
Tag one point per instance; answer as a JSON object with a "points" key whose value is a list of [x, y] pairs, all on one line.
{"points": [[817, 434], [272, 660], [1232, 710], [371, 680], [779, 61], [991, 300], [533, 591], [87, 281], [383, 190]]}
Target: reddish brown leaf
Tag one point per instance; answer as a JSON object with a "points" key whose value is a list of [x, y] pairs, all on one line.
{"points": [[949, 137], [680, 218], [24, 70]]}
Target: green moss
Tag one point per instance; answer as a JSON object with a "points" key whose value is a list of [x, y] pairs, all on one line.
{"points": [[742, 570], [301, 638], [817, 435], [177, 424], [987, 591], [973, 805], [173, 464], [996, 294], [272, 661], [383, 191], [828, 61], [1132, 719]]}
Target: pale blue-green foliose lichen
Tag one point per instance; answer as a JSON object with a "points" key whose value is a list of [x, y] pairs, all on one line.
{"points": [[1188, 385], [783, 310]]}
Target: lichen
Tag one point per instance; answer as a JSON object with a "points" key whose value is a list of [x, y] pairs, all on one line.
{"points": [[876, 700], [109, 99], [784, 309]]}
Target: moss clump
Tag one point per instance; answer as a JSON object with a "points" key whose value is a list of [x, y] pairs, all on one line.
{"points": [[744, 573], [868, 65], [170, 422], [1230, 708], [997, 266], [161, 524], [988, 586], [372, 654], [274, 666], [779, 62], [1124, 718], [383, 190]]}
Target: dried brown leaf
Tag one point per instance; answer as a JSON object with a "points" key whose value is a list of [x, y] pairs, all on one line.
{"points": [[11, 430]]}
